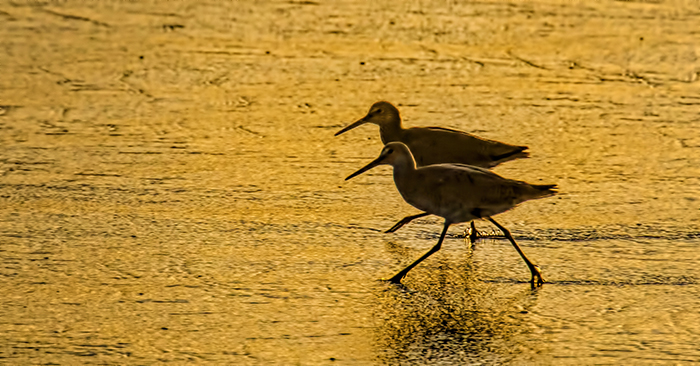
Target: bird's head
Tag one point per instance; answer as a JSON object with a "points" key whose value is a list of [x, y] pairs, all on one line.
{"points": [[393, 153], [381, 114]]}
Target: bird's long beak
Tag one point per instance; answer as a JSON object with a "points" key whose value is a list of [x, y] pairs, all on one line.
{"points": [[358, 123], [367, 167]]}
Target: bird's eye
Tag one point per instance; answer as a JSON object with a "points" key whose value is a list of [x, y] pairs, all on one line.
{"points": [[379, 111], [389, 151]]}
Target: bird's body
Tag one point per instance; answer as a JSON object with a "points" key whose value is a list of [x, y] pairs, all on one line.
{"points": [[462, 193], [456, 192], [437, 145]]}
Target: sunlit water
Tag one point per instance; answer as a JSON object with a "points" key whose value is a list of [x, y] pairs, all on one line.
{"points": [[171, 190]]}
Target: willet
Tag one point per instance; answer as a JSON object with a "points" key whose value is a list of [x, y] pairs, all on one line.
{"points": [[437, 145], [458, 193]]}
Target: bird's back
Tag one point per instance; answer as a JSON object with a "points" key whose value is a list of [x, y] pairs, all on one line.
{"points": [[436, 145], [463, 193]]}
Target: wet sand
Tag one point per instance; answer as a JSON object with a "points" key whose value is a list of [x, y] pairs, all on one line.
{"points": [[171, 189]]}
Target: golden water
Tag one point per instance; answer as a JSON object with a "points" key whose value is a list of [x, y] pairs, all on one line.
{"points": [[171, 189]]}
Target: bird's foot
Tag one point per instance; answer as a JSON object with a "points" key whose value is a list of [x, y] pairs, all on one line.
{"points": [[537, 280], [473, 235], [396, 279]]}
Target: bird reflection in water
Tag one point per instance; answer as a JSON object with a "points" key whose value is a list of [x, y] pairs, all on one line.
{"points": [[449, 316]]}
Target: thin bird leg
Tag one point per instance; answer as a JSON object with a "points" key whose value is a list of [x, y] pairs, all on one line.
{"points": [[405, 221], [399, 276], [534, 269], [473, 233]]}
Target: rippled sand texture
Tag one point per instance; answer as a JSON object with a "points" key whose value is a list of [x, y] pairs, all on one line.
{"points": [[171, 190]]}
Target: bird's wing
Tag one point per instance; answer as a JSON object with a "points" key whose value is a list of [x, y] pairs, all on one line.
{"points": [[478, 188], [434, 145]]}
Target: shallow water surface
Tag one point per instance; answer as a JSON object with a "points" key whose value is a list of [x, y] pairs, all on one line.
{"points": [[171, 189]]}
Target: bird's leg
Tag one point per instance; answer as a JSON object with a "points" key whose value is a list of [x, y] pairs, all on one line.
{"points": [[399, 276], [405, 221], [473, 233], [536, 279]]}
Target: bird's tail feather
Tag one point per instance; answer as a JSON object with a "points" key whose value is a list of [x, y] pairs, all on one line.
{"points": [[518, 153], [544, 190]]}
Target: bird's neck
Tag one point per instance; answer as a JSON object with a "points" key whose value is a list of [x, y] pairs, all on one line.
{"points": [[391, 131], [404, 172], [404, 166]]}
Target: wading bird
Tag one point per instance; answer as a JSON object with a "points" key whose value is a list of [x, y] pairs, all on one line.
{"points": [[458, 193], [437, 145]]}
